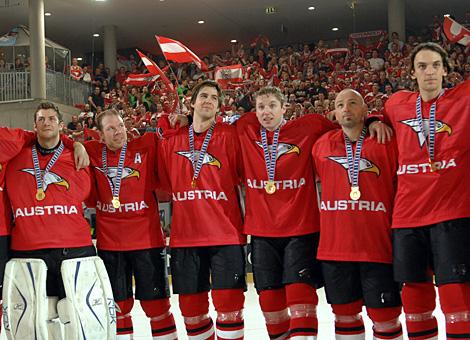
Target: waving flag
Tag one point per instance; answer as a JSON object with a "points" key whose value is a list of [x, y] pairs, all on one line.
{"points": [[176, 51], [455, 32], [229, 74], [141, 79]]}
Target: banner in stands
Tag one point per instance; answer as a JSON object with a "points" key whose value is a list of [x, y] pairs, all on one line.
{"points": [[229, 75], [368, 41]]}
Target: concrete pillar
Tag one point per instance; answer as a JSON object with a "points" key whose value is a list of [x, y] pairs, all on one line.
{"points": [[110, 48], [37, 49], [396, 18]]}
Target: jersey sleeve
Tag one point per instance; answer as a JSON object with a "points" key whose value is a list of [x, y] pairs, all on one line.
{"points": [[318, 125], [164, 128], [12, 141], [90, 202], [68, 142], [163, 177]]}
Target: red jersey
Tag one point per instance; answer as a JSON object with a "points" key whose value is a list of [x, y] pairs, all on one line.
{"points": [[208, 215], [355, 230], [425, 197], [136, 223], [293, 209], [57, 221], [76, 72], [11, 143]]}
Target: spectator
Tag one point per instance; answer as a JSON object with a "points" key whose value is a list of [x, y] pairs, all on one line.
{"points": [[87, 77], [376, 63], [73, 124], [76, 72], [96, 99]]}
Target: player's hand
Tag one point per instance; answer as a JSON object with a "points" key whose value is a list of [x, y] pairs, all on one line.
{"points": [[80, 155], [381, 131], [175, 118]]}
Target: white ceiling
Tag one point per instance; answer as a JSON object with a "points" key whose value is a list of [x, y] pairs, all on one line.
{"points": [[74, 21]]}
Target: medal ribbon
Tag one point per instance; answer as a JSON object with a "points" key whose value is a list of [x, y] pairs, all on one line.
{"points": [[37, 170], [430, 138], [354, 160], [270, 158], [202, 153], [120, 168]]}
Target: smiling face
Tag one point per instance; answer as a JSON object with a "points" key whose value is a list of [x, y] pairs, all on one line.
{"points": [[206, 102], [113, 131]]}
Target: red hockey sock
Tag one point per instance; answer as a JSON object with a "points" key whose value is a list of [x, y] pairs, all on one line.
{"points": [[302, 300], [348, 321], [229, 306], [195, 308], [123, 316], [419, 301], [274, 307], [162, 322]]}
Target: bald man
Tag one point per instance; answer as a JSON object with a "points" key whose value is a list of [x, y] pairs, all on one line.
{"points": [[358, 185]]}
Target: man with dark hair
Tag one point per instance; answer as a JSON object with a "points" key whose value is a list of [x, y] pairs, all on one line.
{"points": [[125, 176], [51, 241], [11, 143], [201, 166], [96, 99], [358, 186], [431, 217]]}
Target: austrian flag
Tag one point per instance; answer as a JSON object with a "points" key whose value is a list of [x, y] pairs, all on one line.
{"points": [[228, 75], [141, 79], [455, 32], [176, 51]]}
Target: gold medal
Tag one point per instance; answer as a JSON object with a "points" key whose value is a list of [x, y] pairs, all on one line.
{"points": [[193, 183], [355, 194], [116, 203], [40, 194], [270, 187], [433, 165]]}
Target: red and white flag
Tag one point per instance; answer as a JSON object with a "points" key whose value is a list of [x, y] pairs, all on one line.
{"points": [[176, 51], [227, 75], [150, 65], [455, 32], [141, 79]]}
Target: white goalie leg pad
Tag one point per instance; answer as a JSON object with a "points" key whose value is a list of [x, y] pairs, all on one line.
{"points": [[53, 323], [88, 311], [25, 304]]}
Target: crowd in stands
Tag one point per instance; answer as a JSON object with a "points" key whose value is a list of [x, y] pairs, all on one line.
{"points": [[310, 75]]}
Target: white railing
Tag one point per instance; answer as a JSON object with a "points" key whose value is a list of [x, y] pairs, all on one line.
{"points": [[14, 86], [60, 88]]}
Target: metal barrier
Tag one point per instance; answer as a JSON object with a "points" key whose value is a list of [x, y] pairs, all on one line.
{"points": [[60, 88], [14, 86]]}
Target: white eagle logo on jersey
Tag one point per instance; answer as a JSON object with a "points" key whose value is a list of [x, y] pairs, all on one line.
{"points": [[364, 164], [282, 148], [112, 173], [414, 124], [50, 178], [208, 158]]}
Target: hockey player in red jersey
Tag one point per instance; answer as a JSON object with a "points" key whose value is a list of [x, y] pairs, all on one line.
{"points": [[51, 240], [11, 143], [201, 165], [358, 178], [431, 216], [279, 181], [129, 236]]}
